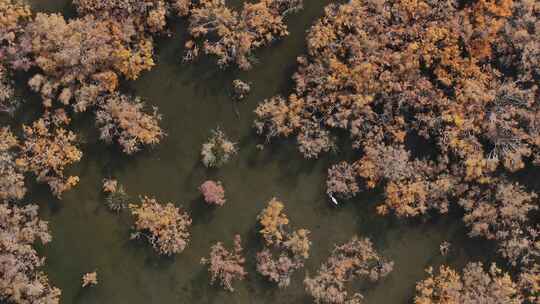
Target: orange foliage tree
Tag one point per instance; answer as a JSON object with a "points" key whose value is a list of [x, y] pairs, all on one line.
{"points": [[226, 266], [231, 36], [355, 259], [166, 227], [474, 285], [12, 186], [459, 78], [123, 119], [290, 247], [46, 151]]}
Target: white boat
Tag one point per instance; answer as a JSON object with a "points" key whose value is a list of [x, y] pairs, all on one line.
{"points": [[333, 199]]}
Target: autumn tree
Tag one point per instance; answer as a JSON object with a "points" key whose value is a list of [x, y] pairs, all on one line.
{"points": [[356, 259], [8, 101], [12, 187], [213, 193], [285, 250], [46, 151], [144, 15], [502, 213], [14, 17], [82, 59], [474, 285], [21, 278], [459, 78], [226, 266], [233, 36], [123, 119], [165, 227]]}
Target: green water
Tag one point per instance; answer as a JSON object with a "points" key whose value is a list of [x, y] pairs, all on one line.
{"points": [[194, 99]]}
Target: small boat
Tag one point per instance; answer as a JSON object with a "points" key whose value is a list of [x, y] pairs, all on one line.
{"points": [[333, 199]]}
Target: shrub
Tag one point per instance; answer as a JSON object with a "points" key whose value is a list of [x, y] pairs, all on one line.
{"points": [[218, 150], [459, 77], [12, 186], [89, 279], [240, 89], [116, 197]]}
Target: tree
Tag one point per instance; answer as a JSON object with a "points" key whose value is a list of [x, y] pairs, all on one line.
{"points": [[474, 285], [213, 193], [457, 77], [166, 227], [353, 260], [284, 251], [226, 266], [218, 150], [46, 151], [232, 36], [21, 280], [123, 119], [12, 187], [146, 14]]}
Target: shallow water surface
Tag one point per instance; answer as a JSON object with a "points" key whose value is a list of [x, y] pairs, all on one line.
{"points": [[194, 99]]}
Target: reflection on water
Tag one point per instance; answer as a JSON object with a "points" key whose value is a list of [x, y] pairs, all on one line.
{"points": [[194, 99]]}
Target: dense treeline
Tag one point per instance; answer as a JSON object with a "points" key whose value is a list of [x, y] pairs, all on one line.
{"points": [[462, 76]]}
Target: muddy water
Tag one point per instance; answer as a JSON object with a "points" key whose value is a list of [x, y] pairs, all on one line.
{"points": [[194, 99]]}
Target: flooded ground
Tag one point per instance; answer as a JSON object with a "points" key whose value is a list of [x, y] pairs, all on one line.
{"points": [[194, 99]]}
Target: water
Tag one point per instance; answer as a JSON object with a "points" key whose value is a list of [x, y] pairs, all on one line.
{"points": [[194, 99]]}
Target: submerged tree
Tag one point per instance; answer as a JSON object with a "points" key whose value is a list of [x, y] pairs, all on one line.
{"points": [[46, 151], [459, 77], [78, 63], [143, 15], [355, 259], [21, 281], [213, 193], [226, 266], [89, 279], [233, 36], [284, 251], [12, 186], [218, 150], [166, 227], [8, 101], [240, 89], [82, 59], [116, 197], [123, 119], [474, 285]]}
